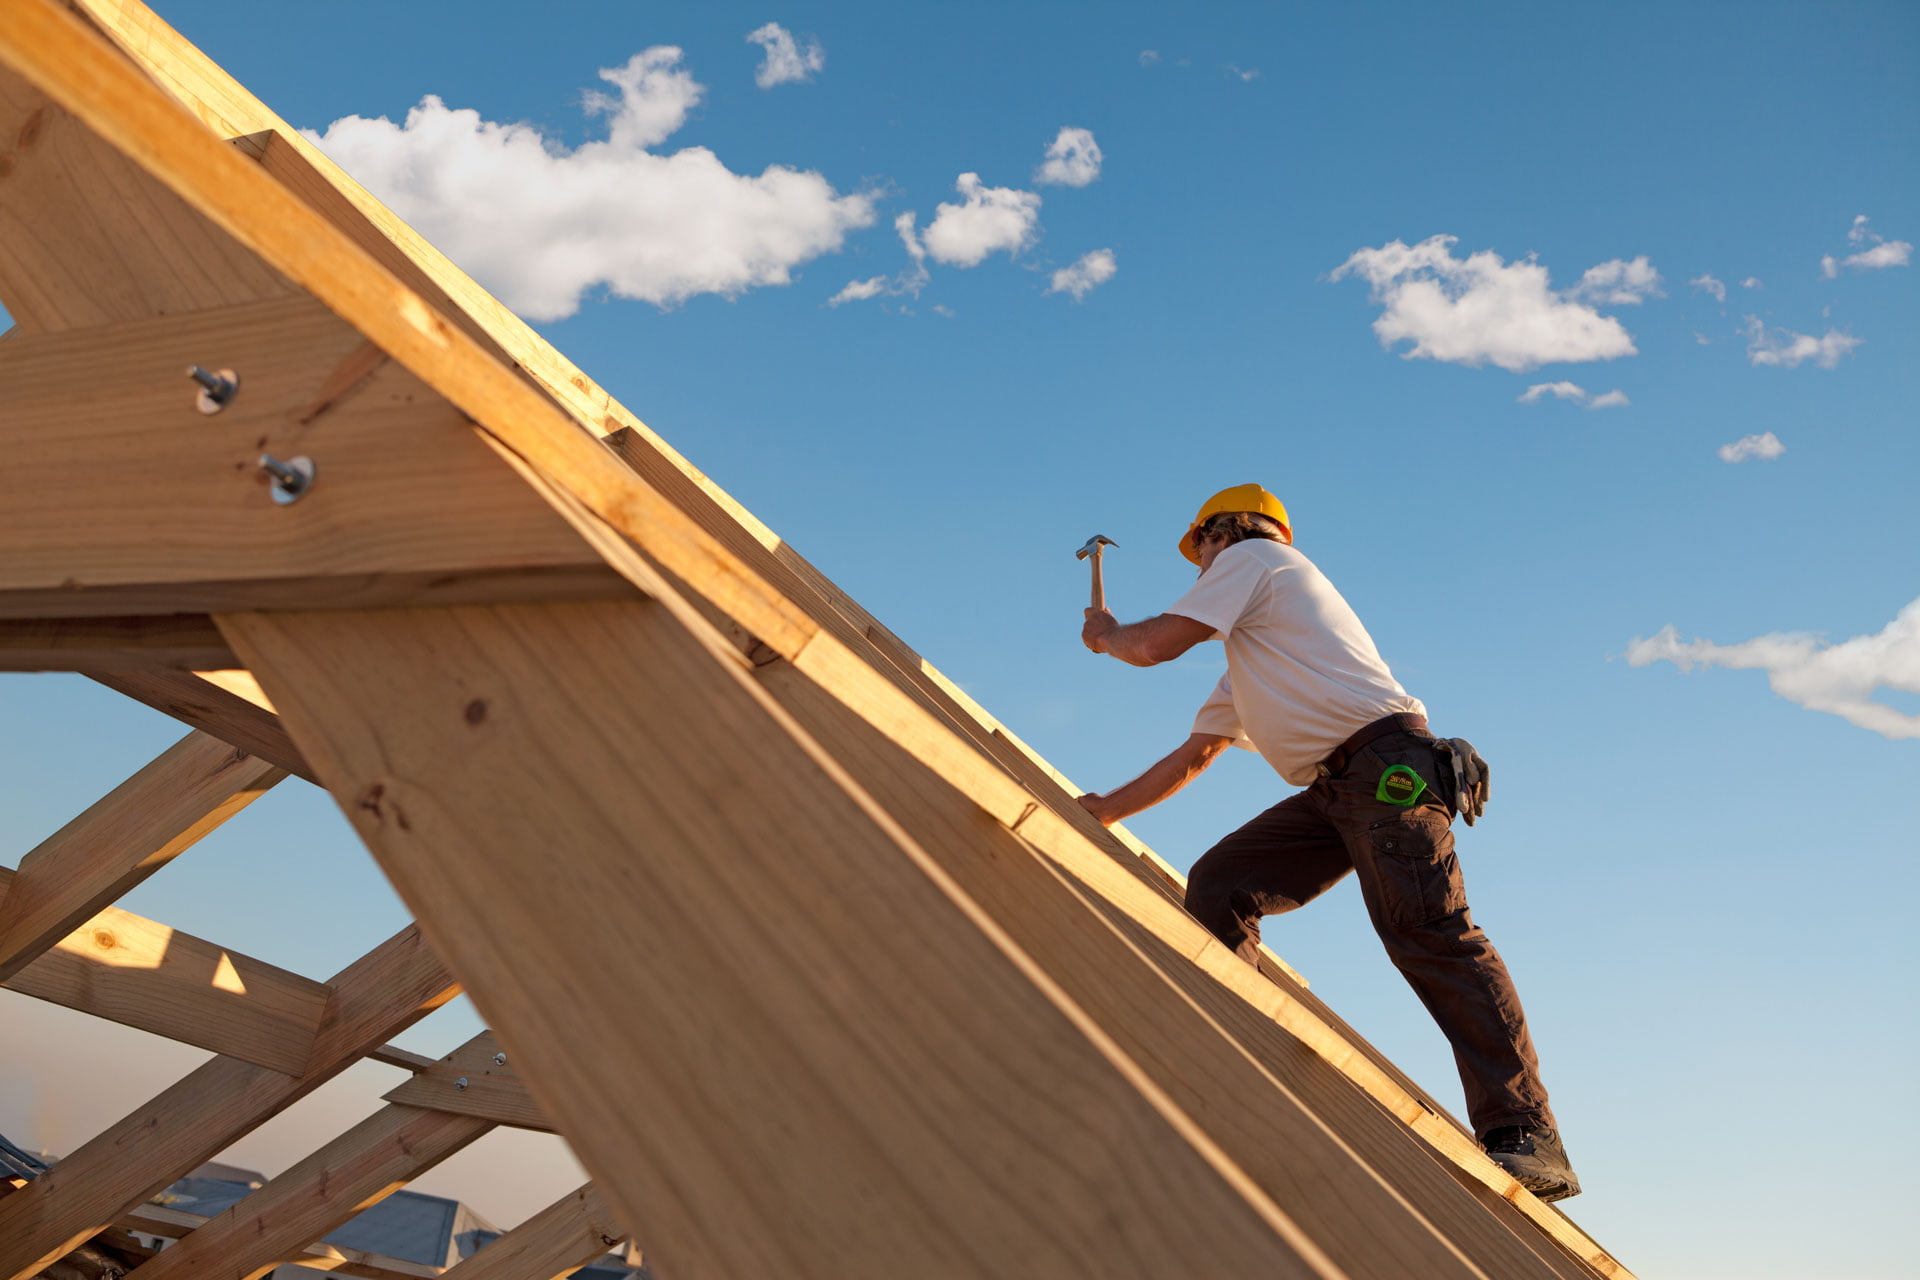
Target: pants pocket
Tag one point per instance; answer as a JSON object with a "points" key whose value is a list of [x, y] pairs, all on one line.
{"points": [[1415, 867]]}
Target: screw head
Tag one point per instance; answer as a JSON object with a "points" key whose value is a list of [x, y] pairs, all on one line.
{"points": [[499, 1059], [461, 1084]]}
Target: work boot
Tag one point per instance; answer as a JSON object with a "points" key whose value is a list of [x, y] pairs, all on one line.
{"points": [[1535, 1158]]}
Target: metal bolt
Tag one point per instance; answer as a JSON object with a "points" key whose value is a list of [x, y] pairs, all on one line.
{"points": [[291, 479], [499, 1059], [461, 1084], [215, 388]]}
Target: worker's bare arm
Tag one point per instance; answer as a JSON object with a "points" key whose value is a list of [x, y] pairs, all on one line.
{"points": [[1172, 772], [1143, 644]]}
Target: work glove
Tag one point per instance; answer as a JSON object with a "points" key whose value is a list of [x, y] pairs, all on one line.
{"points": [[1471, 779]]}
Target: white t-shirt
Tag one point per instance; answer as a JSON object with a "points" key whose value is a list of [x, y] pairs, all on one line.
{"points": [[1302, 673]]}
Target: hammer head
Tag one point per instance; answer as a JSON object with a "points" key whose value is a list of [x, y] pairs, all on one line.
{"points": [[1094, 544]]}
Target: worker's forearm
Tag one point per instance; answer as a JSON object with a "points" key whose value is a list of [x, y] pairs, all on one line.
{"points": [[1157, 783]]}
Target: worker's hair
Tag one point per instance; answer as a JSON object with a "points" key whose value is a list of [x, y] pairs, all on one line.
{"points": [[1238, 526]]}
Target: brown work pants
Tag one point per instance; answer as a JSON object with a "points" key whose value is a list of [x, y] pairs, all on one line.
{"points": [[1410, 880]]}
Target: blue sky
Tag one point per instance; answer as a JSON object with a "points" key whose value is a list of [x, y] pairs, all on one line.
{"points": [[1700, 882]]}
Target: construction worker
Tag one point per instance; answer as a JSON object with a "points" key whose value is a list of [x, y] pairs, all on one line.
{"points": [[1306, 688]]}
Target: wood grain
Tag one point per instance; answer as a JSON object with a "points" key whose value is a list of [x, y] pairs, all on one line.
{"points": [[836, 1064], [127, 969], [567, 1234]]}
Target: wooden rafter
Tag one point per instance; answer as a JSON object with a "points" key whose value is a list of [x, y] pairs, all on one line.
{"points": [[478, 1080], [232, 710], [567, 1234], [355, 1171], [387, 990], [141, 825], [124, 968]]}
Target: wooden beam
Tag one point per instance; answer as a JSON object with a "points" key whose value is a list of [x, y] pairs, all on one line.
{"points": [[474, 1080], [355, 1171], [141, 825], [187, 641], [389, 989], [174, 1224], [218, 703], [838, 1063], [125, 499], [127, 969], [566, 1235]]}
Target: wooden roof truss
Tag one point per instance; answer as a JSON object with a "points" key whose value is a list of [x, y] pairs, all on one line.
{"points": [[886, 1002]]}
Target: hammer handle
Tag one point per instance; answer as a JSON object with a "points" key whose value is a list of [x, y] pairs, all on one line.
{"points": [[1099, 587]]}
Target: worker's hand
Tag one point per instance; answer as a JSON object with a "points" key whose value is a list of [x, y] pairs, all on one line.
{"points": [[1099, 625], [1097, 806]]}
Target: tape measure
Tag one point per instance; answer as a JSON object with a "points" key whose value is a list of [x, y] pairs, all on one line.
{"points": [[1400, 785]]}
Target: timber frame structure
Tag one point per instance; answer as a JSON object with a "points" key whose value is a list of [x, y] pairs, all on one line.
{"points": [[891, 1006]]}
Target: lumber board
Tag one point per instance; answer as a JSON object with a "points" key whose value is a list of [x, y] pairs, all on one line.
{"points": [[567, 1234], [188, 641], [87, 238], [127, 969], [355, 1171], [225, 704], [1320, 1162], [837, 1064], [124, 499], [173, 1224], [190, 789], [477, 1079], [206, 1111]]}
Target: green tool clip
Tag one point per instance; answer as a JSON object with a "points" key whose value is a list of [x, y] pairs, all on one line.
{"points": [[1400, 785]]}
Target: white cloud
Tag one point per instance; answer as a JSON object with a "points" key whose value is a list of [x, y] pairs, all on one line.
{"points": [[1479, 309], [1245, 73], [1574, 392], [1073, 160], [1149, 56], [539, 225], [1715, 287], [1828, 267], [1840, 679], [1618, 283], [1786, 349], [1765, 447], [786, 61], [1702, 339], [908, 282], [1083, 277], [1892, 253], [991, 220], [1752, 282]]}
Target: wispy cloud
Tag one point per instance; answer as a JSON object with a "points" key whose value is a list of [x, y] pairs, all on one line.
{"points": [[1839, 679], [1618, 283], [1786, 349], [1715, 287], [1480, 309], [1872, 251], [786, 60], [1073, 160], [1752, 282], [1766, 447], [988, 220], [1243, 73], [1575, 392], [540, 225], [908, 282], [1083, 277], [1149, 56]]}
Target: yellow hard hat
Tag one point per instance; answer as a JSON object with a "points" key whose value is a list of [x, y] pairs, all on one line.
{"points": [[1242, 497]]}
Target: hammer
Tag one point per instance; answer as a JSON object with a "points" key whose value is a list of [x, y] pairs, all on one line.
{"points": [[1097, 544]]}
